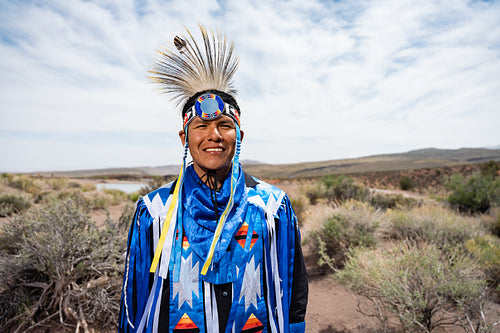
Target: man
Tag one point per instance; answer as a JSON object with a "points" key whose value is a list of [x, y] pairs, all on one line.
{"points": [[216, 250]]}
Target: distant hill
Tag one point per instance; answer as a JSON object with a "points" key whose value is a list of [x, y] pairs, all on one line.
{"points": [[416, 159], [137, 172]]}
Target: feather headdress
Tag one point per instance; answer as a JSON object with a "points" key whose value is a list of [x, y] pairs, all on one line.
{"points": [[191, 68]]}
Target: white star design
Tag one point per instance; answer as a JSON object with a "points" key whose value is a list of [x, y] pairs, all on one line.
{"points": [[188, 282], [250, 287]]}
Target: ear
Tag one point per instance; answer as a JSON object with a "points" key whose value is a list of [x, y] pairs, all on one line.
{"points": [[182, 136], [242, 134]]}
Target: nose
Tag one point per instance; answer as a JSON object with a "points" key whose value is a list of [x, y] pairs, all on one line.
{"points": [[214, 134]]}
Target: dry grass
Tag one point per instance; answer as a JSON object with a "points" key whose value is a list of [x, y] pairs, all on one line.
{"points": [[316, 216], [433, 224]]}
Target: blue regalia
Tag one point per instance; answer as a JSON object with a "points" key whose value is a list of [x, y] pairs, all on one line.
{"points": [[253, 257]]}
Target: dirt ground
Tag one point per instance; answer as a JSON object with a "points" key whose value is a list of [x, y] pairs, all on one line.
{"points": [[331, 306]]}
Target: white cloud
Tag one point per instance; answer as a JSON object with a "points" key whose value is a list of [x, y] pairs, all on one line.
{"points": [[317, 79]]}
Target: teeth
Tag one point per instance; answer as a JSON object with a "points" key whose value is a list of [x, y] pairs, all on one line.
{"points": [[213, 149]]}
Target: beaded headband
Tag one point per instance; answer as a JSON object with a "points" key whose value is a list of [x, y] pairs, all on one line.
{"points": [[210, 106]]}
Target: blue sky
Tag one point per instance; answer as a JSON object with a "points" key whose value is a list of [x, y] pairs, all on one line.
{"points": [[317, 80]]}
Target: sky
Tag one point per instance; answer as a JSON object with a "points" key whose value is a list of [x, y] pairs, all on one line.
{"points": [[318, 79]]}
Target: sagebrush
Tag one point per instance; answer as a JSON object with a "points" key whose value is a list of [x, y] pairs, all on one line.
{"points": [[56, 264], [419, 285]]}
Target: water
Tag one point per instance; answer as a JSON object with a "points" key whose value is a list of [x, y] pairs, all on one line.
{"points": [[125, 187]]}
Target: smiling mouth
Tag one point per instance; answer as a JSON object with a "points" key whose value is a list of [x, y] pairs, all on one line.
{"points": [[214, 149]]}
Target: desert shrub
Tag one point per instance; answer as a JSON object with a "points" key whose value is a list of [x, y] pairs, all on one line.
{"points": [[13, 204], [134, 196], [353, 224], [340, 187], [53, 197], [57, 183], [299, 208], [314, 194], [486, 249], [25, 184], [477, 193], [6, 178], [94, 201], [44, 197], [88, 187], [405, 183], [100, 201], [126, 217], [74, 185], [21, 182], [337, 188], [153, 184], [418, 284], [489, 168], [491, 221], [57, 264], [432, 224], [118, 196], [390, 201]]}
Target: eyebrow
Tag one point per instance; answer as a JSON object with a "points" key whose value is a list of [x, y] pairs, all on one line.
{"points": [[226, 121], [198, 120]]}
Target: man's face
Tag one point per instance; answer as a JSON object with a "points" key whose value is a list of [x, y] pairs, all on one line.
{"points": [[211, 144]]}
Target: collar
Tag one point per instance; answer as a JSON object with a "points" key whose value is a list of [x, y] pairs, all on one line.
{"points": [[198, 217]]}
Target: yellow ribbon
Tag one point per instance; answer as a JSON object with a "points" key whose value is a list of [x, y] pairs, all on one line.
{"points": [[164, 230]]}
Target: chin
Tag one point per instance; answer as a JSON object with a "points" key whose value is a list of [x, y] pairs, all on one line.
{"points": [[217, 167]]}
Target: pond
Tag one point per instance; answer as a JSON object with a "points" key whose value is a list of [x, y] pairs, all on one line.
{"points": [[125, 187]]}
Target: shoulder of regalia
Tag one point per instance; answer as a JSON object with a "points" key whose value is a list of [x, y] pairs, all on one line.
{"points": [[264, 194], [155, 201]]}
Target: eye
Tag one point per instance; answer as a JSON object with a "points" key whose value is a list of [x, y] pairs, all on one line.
{"points": [[226, 126], [200, 126]]}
